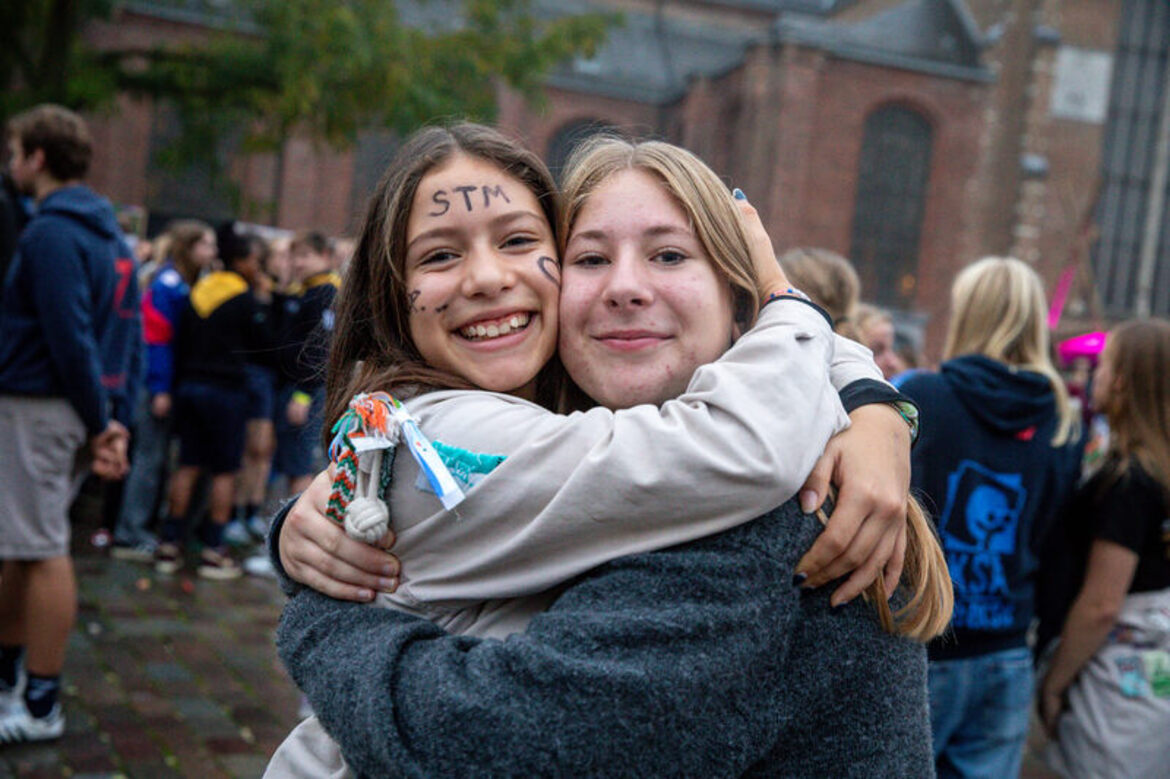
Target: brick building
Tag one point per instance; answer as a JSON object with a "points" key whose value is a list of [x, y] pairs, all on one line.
{"points": [[910, 135]]}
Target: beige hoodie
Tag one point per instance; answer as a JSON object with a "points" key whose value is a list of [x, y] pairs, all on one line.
{"points": [[578, 490]]}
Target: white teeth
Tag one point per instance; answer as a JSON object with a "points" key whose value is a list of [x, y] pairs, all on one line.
{"points": [[515, 322]]}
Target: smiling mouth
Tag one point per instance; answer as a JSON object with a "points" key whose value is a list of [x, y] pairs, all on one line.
{"points": [[488, 329], [632, 341]]}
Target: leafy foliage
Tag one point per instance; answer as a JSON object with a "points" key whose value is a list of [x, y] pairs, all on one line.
{"points": [[328, 67]]}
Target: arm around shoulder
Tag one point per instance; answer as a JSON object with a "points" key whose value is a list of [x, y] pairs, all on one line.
{"points": [[637, 668]]}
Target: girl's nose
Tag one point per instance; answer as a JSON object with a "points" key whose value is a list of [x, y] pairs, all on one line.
{"points": [[627, 284], [486, 274]]}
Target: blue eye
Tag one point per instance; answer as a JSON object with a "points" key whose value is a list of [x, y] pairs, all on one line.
{"points": [[670, 257], [590, 260]]}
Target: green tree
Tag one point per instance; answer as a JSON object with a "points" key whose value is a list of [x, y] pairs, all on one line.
{"points": [[330, 67]]}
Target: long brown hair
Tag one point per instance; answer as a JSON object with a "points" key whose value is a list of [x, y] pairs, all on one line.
{"points": [[926, 584], [1138, 405], [184, 234], [372, 347]]}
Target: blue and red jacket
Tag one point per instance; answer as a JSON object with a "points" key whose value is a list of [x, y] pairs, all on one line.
{"points": [[161, 306]]}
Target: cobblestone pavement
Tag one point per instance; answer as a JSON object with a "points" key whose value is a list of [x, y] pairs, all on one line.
{"points": [[165, 676], [176, 676]]}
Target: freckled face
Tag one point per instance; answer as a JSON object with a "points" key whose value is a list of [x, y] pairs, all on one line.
{"points": [[481, 276], [642, 305]]}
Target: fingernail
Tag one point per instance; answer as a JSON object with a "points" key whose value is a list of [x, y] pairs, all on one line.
{"points": [[837, 606], [365, 595], [808, 501], [387, 585], [799, 578], [389, 570], [738, 194]]}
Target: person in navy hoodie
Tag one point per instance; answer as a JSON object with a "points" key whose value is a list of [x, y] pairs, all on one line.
{"points": [[59, 331], [995, 457]]}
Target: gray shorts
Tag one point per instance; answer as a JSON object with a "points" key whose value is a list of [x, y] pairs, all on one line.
{"points": [[40, 443]]}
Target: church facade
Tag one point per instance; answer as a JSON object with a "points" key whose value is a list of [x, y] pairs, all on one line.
{"points": [[912, 136]]}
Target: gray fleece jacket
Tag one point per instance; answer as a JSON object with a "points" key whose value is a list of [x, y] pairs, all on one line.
{"points": [[701, 659]]}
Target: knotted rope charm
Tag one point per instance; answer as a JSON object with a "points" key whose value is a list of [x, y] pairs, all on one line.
{"points": [[367, 425], [363, 448]]}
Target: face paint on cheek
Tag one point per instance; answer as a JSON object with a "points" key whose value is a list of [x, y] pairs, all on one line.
{"points": [[551, 269], [412, 299]]}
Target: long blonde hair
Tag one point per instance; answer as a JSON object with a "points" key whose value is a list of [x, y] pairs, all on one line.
{"points": [[1138, 409], [715, 218], [998, 310], [702, 195]]}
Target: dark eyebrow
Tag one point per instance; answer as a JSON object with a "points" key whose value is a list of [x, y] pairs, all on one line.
{"points": [[503, 220]]}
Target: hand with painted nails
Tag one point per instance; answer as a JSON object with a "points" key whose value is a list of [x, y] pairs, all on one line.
{"points": [[771, 278], [316, 552], [866, 533]]}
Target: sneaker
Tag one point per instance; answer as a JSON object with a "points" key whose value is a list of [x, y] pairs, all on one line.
{"points": [[167, 558], [236, 534], [13, 697], [259, 565], [19, 725], [258, 527], [142, 552], [216, 564]]}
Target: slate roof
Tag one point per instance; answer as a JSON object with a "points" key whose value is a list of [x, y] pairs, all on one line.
{"points": [[819, 7], [653, 58], [938, 37]]}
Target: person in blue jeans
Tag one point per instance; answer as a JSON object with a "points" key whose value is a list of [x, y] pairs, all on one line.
{"points": [[995, 457], [193, 248]]}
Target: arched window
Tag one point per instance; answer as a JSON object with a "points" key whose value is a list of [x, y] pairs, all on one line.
{"points": [[891, 198], [568, 137]]}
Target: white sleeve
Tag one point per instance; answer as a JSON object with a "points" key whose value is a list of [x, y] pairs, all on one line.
{"points": [[852, 361], [577, 491]]}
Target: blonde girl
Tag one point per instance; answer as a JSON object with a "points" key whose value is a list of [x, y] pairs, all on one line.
{"points": [[993, 463]]}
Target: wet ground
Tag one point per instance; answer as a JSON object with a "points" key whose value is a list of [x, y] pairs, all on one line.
{"points": [[165, 676]]}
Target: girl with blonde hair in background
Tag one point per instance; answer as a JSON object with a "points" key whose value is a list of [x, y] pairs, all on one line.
{"points": [[996, 459], [1105, 578]]}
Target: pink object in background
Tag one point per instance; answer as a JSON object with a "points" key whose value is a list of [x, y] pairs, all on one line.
{"points": [[1060, 295], [1087, 345]]}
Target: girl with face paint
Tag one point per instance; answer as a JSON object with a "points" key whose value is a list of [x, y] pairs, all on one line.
{"points": [[454, 289]]}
